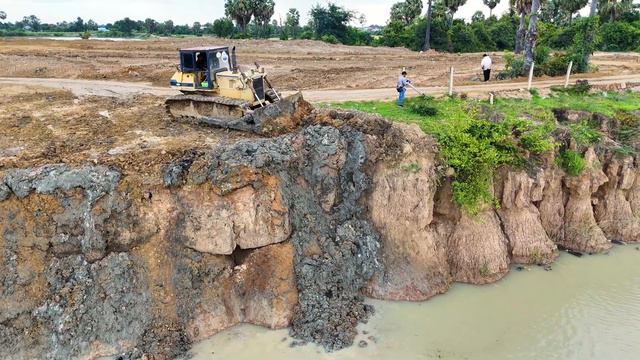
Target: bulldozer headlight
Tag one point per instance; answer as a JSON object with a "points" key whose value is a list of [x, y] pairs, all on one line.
{"points": [[173, 82]]}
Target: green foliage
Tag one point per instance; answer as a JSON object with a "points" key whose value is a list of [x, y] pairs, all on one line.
{"points": [[475, 139], [572, 162], [463, 39], [585, 42], [223, 27], [557, 65], [620, 36], [514, 67], [584, 134], [422, 105], [331, 20], [85, 35], [412, 167], [406, 11], [329, 39]]}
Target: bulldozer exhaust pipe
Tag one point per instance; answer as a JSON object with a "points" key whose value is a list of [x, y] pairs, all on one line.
{"points": [[234, 64]]}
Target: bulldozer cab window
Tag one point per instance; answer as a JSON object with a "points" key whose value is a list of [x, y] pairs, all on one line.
{"points": [[187, 61]]}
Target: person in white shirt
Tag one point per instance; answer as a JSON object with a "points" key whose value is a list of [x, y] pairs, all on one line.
{"points": [[486, 67], [401, 87]]}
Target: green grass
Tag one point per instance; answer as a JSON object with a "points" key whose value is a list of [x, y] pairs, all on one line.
{"points": [[572, 162], [584, 134], [475, 138]]}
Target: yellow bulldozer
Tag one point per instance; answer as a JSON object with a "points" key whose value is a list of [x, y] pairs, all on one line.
{"points": [[214, 89]]}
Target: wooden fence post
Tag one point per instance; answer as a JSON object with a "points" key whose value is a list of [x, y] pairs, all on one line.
{"points": [[451, 82], [530, 75], [566, 82]]}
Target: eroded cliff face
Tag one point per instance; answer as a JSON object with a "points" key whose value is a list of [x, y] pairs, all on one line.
{"points": [[291, 230]]}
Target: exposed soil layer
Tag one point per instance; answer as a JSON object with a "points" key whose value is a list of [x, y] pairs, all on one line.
{"points": [[292, 65], [123, 232]]}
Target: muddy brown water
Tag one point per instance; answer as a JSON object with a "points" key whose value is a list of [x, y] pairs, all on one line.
{"points": [[584, 308]]}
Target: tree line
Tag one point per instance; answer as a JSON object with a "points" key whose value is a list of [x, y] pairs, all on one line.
{"points": [[551, 23]]}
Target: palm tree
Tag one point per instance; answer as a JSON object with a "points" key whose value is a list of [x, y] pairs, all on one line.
{"points": [[241, 11], [453, 6], [615, 8], [491, 4], [263, 12], [522, 7], [532, 35], [427, 36]]}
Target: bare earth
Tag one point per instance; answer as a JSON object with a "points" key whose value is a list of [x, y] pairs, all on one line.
{"points": [[102, 101], [292, 65]]}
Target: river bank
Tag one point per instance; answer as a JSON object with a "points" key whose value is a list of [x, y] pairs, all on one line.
{"points": [[584, 308]]}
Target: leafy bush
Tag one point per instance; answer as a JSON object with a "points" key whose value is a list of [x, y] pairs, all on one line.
{"points": [[422, 106], [329, 39], [572, 162], [306, 35], [85, 35], [514, 67], [619, 36], [557, 65]]}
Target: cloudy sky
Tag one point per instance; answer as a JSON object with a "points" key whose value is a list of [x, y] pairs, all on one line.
{"points": [[189, 11]]}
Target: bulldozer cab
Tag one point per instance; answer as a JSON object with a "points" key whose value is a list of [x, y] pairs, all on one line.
{"points": [[205, 63]]}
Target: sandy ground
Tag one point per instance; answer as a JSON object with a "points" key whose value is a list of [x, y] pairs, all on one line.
{"points": [[292, 65], [41, 126]]}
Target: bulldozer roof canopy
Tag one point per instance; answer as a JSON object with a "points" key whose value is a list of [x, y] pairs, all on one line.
{"points": [[204, 48]]}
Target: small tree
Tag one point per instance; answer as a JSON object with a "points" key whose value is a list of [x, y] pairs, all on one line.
{"points": [[572, 6], [292, 22], [331, 20], [478, 16], [222, 27]]}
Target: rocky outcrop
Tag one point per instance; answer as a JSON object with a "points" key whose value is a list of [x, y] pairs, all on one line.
{"points": [[613, 212], [401, 204], [291, 230], [581, 232], [529, 243]]}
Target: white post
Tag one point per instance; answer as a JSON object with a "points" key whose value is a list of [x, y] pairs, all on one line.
{"points": [[451, 82], [491, 98], [530, 76], [566, 82]]}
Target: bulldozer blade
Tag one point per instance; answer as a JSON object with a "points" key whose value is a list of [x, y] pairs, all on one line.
{"points": [[274, 119]]}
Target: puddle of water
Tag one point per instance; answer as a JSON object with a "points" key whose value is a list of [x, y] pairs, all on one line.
{"points": [[585, 308]]}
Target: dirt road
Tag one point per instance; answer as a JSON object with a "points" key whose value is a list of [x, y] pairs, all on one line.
{"points": [[125, 89]]}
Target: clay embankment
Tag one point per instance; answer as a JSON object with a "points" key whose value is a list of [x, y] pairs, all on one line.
{"points": [[146, 244]]}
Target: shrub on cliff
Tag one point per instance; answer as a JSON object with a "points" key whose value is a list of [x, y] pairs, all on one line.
{"points": [[572, 162]]}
